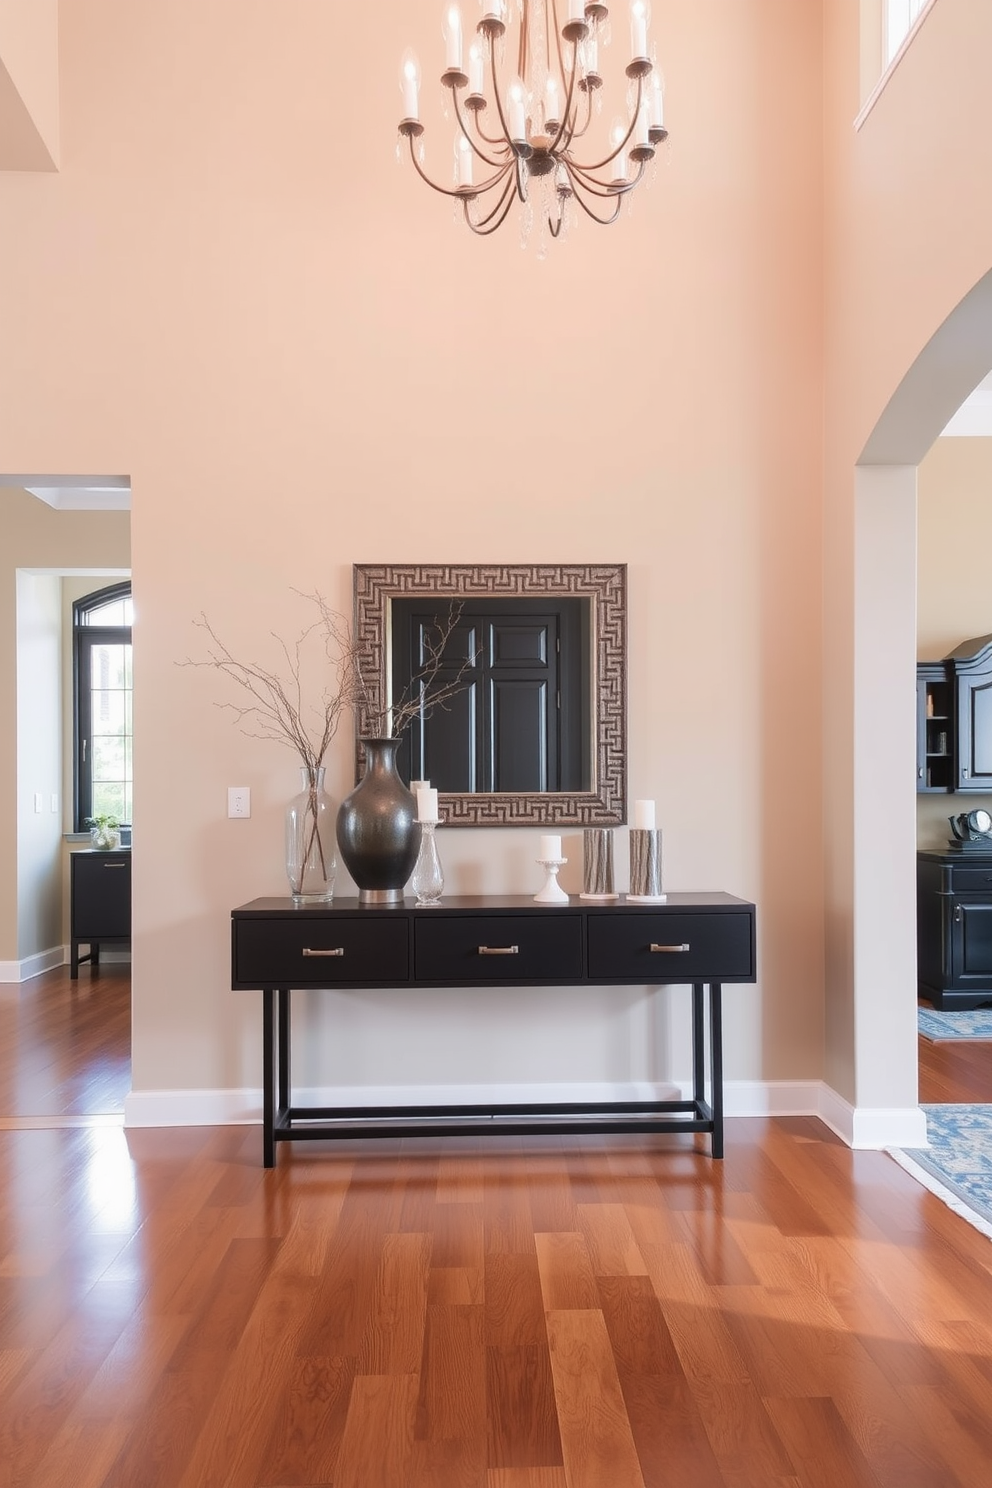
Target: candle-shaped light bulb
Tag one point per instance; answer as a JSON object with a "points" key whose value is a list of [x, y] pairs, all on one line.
{"points": [[493, 10], [552, 105], [656, 101], [590, 57], [641, 135], [476, 70], [576, 10], [451, 26], [516, 102], [640, 14], [618, 134], [410, 84], [463, 162]]}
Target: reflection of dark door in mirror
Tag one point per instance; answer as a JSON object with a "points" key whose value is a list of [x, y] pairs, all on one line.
{"points": [[519, 722]]}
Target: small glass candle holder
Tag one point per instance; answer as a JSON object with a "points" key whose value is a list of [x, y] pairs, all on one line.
{"points": [[428, 877]]}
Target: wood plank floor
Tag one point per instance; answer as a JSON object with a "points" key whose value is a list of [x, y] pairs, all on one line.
{"points": [[459, 1313], [65, 1046]]}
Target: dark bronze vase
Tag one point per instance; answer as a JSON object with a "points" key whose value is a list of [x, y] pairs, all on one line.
{"points": [[378, 831]]}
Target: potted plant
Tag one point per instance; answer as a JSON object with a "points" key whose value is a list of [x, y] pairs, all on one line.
{"points": [[105, 832]]}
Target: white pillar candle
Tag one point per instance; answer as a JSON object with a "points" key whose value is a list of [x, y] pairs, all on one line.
{"points": [[644, 816], [418, 785], [550, 849], [427, 808]]}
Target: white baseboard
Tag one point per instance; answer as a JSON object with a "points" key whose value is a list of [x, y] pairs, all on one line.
{"points": [[873, 1128], [32, 966], [870, 1128]]}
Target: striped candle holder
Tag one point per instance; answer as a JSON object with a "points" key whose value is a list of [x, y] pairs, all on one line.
{"points": [[597, 864], [645, 866]]}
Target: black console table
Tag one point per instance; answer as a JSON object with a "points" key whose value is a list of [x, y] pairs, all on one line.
{"points": [[491, 941]]}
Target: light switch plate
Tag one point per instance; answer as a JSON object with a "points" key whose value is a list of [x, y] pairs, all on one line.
{"points": [[238, 800]]}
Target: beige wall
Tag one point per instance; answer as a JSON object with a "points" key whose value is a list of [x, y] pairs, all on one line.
{"points": [[36, 537], [303, 363], [954, 596], [39, 763]]}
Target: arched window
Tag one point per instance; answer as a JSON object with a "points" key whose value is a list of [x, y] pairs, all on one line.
{"points": [[101, 630]]}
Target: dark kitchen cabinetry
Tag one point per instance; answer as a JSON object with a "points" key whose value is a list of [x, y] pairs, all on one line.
{"points": [[954, 720], [100, 903], [954, 928]]}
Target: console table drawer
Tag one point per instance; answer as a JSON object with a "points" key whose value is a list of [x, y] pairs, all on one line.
{"points": [[498, 948], [670, 947], [971, 880], [315, 952]]}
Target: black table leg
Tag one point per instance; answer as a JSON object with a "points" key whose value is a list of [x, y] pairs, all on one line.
{"points": [[268, 1078], [284, 996], [716, 1066], [698, 1044]]}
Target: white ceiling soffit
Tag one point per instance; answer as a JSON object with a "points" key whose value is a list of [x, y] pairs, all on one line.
{"points": [[76, 492], [974, 417]]}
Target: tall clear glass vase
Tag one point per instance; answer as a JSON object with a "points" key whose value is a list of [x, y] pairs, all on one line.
{"points": [[310, 859]]}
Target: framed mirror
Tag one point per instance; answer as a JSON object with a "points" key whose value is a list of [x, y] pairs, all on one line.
{"points": [[534, 734]]}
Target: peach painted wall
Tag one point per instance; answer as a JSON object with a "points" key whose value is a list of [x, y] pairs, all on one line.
{"points": [[908, 234], [303, 363]]}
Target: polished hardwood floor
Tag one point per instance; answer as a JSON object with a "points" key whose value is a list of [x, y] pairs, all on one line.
{"points": [[460, 1313]]}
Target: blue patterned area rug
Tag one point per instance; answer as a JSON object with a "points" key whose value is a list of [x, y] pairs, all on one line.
{"points": [[939, 1026], [957, 1164]]}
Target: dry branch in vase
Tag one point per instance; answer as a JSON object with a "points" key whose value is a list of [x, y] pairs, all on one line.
{"points": [[277, 709], [382, 719]]}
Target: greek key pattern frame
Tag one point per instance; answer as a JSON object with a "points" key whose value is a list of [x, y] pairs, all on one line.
{"points": [[605, 585]]}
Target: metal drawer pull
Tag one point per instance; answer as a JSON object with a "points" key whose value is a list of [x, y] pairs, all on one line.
{"points": [[683, 947], [338, 951], [499, 950], [115, 865]]}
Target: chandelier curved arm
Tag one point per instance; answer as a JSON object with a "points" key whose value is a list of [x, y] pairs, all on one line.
{"points": [[576, 132], [465, 193], [499, 102], [601, 164], [486, 225], [566, 111], [579, 176], [579, 187], [464, 129]]}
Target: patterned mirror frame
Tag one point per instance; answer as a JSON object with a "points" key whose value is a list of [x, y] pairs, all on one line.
{"points": [[605, 586]]}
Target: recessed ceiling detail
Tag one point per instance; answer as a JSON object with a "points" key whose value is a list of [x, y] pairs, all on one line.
{"points": [[76, 492]]}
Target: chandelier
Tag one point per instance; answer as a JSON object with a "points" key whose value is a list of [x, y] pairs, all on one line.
{"points": [[538, 137]]}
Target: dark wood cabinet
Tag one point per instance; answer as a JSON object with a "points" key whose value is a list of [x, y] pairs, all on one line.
{"points": [[954, 720], [490, 942], [954, 928], [935, 728], [99, 903]]}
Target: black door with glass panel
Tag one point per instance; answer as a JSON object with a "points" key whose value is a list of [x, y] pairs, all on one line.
{"points": [[514, 721], [103, 683]]}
